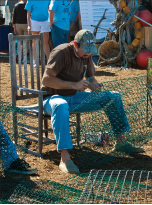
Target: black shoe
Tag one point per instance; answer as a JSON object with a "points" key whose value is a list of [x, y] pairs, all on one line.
{"points": [[21, 167]]}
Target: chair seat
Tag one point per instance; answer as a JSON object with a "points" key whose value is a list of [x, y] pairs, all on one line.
{"points": [[31, 108]]}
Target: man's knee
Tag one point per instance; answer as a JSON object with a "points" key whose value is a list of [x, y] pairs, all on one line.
{"points": [[61, 106], [114, 94]]}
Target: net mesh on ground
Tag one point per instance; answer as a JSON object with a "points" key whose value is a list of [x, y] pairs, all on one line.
{"points": [[98, 186], [118, 187], [97, 140], [42, 192]]}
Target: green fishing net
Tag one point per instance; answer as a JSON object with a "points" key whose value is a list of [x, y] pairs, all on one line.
{"points": [[97, 140], [98, 186]]}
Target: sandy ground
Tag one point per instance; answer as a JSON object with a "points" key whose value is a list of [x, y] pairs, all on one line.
{"points": [[48, 166]]}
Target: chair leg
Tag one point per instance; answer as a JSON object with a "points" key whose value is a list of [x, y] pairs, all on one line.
{"points": [[46, 127], [78, 128]]}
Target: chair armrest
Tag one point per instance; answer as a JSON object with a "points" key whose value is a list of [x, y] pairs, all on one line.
{"points": [[28, 90]]}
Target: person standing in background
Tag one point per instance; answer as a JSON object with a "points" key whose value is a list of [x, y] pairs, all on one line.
{"points": [[74, 19], [59, 14], [20, 20], [37, 19]]}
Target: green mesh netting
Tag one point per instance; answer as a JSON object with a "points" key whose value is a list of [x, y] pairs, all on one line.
{"points": [[137, 104], [42, 192], [117, 186], [98, 186], [5, 202], [9, 132]]}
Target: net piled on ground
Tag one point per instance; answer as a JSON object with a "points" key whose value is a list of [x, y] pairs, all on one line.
{"points": [[118, 186], [98, 186], [42, 192], [8, 134], [94, 150]]}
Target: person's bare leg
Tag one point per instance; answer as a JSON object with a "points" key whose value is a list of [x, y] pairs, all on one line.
{"points": [[66, 164], [33, 44], [46, 44], [65, 155]]}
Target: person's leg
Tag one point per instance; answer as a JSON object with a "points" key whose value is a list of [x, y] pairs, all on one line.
{"points": [[19, 28], [74, 28], [35, 30], [111, 103], [58, 108], [8, 152], [66, 36], [25, 32], [45, 28], [46, 44], [33, 44], [58, 36]]}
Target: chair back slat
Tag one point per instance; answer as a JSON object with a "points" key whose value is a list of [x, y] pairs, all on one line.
{"points": [[37, 64], [26, 37], [12, 68], [31, 64], [19, 64], [26, 76], [25, 63], [42, 54]]}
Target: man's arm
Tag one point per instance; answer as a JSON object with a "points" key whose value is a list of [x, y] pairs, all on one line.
{"points": [[77, 17], [14, 20], [50, 80], [51, 16]]}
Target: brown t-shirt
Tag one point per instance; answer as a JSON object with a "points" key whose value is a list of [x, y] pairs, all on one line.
{"points": [[68, 67]]}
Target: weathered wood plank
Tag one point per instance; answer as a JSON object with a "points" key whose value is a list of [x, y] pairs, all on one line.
{"points": [[25, 37], [147, 37], [42, 54], [12, 68], [31, 64], [25, 63], [19, 64], [37, 63]]}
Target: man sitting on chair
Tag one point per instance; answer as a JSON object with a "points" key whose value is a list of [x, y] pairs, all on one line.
{"points": [[63, 80]]}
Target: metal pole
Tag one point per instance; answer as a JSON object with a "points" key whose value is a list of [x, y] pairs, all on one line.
{"points": [[143, 20]]}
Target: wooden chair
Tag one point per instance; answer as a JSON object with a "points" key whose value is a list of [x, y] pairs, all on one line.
{"points": [[25, 86]]}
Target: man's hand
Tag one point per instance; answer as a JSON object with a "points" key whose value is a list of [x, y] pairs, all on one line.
{"points": [[51, 23], [95, 86], [82, 85], [15, 31]]}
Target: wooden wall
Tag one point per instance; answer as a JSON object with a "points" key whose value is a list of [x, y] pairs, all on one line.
{"points": [[147, 38]]}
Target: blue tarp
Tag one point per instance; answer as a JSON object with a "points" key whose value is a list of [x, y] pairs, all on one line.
{"points": [[4, 31]]}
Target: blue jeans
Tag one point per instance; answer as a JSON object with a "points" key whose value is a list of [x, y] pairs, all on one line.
{"points": [[8, 152], [59, 107], [59, 36]]}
